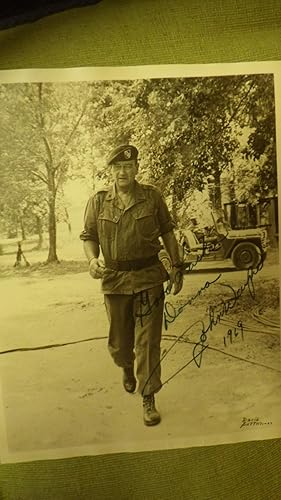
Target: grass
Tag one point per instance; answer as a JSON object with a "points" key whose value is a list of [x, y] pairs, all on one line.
{"points": [[44, 269], [71, 250]]}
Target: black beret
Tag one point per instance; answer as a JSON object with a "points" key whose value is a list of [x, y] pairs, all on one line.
{"points": [[126, 152]]}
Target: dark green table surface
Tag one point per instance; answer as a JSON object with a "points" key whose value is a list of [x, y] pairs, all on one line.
{"points": [[134, 32]]}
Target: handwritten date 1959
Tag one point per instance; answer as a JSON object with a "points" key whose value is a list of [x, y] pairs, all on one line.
{"points": [[232, 333]]}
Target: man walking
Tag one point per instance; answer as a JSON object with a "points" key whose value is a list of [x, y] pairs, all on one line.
{"points": [[125, 221]]}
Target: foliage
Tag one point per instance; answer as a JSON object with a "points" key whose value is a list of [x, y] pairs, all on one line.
{"points": [[261, 144], [40, 144], [247, 177], [188, 130]]}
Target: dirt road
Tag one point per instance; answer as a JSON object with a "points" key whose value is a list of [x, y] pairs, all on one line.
{"points": [[71, 396]]}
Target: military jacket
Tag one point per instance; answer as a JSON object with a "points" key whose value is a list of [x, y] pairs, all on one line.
{"points": [[128, 234]]}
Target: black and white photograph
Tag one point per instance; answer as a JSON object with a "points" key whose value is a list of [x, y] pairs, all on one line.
{"points": [[139, 258]]}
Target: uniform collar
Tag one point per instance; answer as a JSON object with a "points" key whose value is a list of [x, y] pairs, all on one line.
{"points": [[139, 194]]}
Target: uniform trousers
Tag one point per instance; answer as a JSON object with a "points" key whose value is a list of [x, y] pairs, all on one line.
{"points": [[135, 334]]}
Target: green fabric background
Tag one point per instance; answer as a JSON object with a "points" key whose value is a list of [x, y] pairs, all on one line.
{"points": [[134, 32]]}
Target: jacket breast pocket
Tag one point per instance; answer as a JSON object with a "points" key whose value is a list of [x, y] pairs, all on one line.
{"points": [[146, 226], [107, 226]]}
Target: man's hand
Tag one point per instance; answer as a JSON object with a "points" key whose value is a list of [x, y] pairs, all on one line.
{"points": [[176, 280], [96, 268], [176, 274]]}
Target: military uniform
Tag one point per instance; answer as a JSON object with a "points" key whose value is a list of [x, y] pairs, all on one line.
{"points": [[133, 279]]}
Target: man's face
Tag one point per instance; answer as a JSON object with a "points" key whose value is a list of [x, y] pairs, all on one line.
{"points": [[124, 173]]}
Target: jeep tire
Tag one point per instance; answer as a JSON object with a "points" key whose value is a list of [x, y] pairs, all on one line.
{"points": [[246, 255]]}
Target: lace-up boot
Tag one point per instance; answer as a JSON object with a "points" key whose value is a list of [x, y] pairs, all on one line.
{"points": [[129, 381], [150, 414]]}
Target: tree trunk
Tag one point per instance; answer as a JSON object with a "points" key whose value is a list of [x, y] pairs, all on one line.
{"points": [[174, 207], [67, 219], [51, 183], [215, 196], [52, 255], [272, 229], [23, 235], [39, 227]]}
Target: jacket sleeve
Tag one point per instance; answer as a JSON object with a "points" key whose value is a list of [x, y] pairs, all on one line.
{"points": [[165, 221], [90, 231]]}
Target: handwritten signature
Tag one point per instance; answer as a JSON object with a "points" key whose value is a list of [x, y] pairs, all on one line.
{"points": [[218, 311], [232, 333], [251, 422], [215, 315], [171, 312], [206, 248]]}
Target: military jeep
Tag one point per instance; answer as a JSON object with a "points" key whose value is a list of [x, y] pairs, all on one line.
{"points": [[245, 247]]}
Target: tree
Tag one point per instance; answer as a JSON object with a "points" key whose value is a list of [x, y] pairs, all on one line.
{"points": [[189, 130], [261, 144], [22, 206], [114, 120], [40, 133]]}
